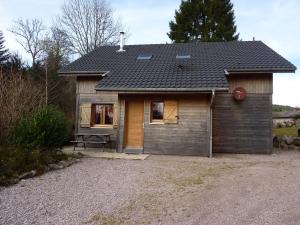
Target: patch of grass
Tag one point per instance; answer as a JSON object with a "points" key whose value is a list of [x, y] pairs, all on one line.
{"points": [[198, 175], [104, 219], [288, 131], [187, 181], [148, 203]]}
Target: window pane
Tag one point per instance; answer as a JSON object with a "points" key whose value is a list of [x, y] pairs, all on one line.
{"points": [[98, 114], [157, 110], [109, 114], [103, 114]]}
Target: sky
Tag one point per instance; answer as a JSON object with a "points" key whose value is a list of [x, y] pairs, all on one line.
{"points": [[275, 22]]}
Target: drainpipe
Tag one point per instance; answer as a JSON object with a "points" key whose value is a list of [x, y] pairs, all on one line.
{"points": [[210, 118]]}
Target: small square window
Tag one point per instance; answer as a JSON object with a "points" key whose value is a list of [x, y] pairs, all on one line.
{"points": [[183, 56], [157, 111], [144, 56]]}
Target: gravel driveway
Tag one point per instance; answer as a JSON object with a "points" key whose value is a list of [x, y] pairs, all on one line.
{"points": [[228, 189]]}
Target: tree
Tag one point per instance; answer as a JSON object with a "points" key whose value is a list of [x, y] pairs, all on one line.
{"points": [[19, 96], [56, 44], [30, 35], [204, 20], [14, 64], [57, 53], [3, 51], [88, 24]]}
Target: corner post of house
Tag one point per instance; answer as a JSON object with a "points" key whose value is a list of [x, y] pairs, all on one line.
{"points": [[121, 125], [211, 121], [77, 108]]}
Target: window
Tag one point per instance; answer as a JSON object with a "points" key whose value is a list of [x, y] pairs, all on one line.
{"points": [[144, 57], [164, 111], [157, 111], [183, 56], [102, 114]]}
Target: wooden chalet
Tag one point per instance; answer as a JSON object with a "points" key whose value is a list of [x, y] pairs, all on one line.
{"points": [[182, 99]]}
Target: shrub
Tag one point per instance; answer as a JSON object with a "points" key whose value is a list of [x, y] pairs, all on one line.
{"points": [[297, 117], [15, 161], [46, 130]]}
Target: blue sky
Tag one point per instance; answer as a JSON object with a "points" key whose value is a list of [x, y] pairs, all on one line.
{"points": [[275, 22]]}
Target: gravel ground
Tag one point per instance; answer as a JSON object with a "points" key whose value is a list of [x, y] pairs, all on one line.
{"points": [[228, 189]]}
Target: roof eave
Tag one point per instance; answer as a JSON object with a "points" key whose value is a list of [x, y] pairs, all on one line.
{"points": [[275, 70], [119, 89], [83, 73]]}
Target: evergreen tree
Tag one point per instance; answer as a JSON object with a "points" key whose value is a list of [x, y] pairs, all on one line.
{"points": [[3, 51], [204, 20]]}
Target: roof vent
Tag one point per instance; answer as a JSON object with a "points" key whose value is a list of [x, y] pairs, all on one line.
{"points": [[144, 57], [183, 56], [121, 42]]}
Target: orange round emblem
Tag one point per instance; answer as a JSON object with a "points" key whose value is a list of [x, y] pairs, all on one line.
{"points": [[239, 94]]}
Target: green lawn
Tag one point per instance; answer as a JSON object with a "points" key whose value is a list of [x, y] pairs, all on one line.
{"points": [[288, 131]]}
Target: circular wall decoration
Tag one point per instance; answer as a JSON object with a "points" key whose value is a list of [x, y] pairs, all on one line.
{"points": [[239, 94]]}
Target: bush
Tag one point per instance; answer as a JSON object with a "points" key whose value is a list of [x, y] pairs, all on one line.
{"points": [[15, 161], [46, 130], [297, 117]]}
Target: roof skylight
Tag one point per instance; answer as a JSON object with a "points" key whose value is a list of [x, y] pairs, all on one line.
{"points": [[144, 56], [183, 55]]}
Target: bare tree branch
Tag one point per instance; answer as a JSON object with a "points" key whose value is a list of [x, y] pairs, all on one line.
{"points": [[29, 34], [18, 97], [88, 24]]}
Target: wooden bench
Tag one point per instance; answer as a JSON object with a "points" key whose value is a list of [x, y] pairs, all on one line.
{"points": [[77, 142], [105, 139]]}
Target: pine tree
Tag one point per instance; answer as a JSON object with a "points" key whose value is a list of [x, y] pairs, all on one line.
{"points": [[204, 20], [3, 51]]}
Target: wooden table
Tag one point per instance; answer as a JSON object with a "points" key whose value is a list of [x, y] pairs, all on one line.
{"points": [[84, 138]]}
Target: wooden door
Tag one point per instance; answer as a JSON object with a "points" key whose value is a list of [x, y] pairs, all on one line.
{"points": [[134, 124]]}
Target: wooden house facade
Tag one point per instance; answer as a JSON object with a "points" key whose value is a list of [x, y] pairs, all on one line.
{"points": [[182, 99]]}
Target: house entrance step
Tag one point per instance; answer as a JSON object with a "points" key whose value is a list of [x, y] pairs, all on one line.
{"points": [[133, 150]]}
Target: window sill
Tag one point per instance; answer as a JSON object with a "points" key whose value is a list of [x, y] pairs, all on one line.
{"points": [[158, 122], [102, 126]]}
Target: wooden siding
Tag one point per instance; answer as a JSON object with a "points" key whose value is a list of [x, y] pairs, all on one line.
{"points": [[121, 126], [188, 137], [87, 85], [103, 98], [242, 127], [253, 83]]}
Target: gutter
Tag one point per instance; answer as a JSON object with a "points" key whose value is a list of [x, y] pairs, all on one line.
{"points": [[211, 122], [84, 73], [246, 71], [176, 90]]}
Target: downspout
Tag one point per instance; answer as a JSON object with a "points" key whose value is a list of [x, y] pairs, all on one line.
{"points": [[210, 118]]}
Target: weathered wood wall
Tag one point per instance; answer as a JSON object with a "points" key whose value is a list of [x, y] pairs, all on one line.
{"points": [[86, 94], [238, 127], [253, 83], [86, 85], [244, 127], [188, 137]]}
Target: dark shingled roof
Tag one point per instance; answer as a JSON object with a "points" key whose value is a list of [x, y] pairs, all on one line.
{"points": [[203, 71]]}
